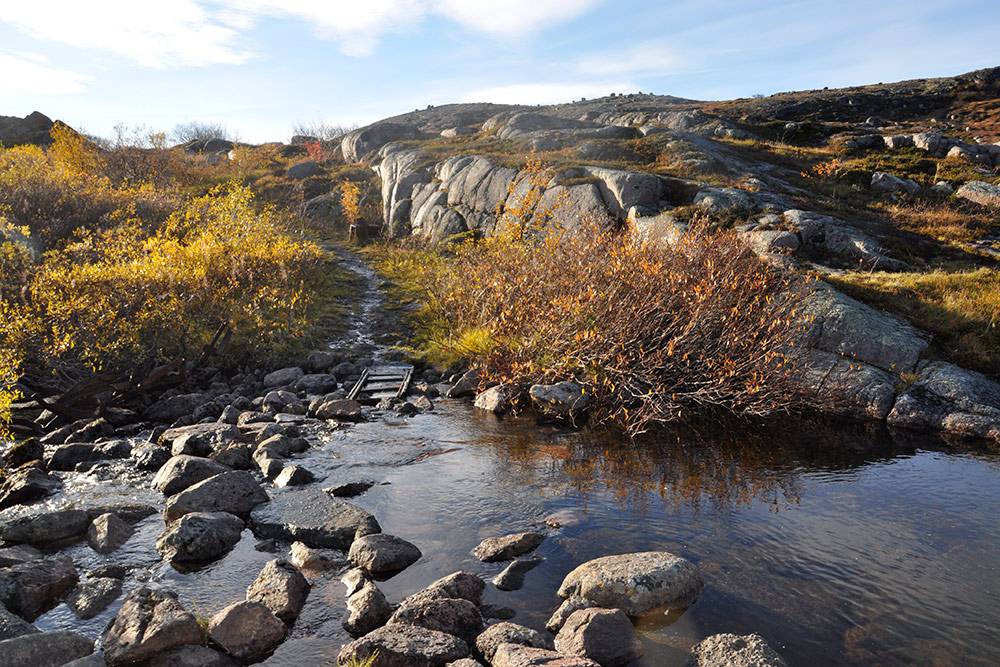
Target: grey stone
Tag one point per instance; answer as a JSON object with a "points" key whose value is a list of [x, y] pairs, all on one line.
{"points": [[235, 492], [515, 655], [498, 399], [107, 533], [466, 385], [44, 649], [192, 656], [728, 650], [316, 383], [492, 637], [605, 636], [568, 606], [980, 192], [183, 471], [283, 377], [198, 439], [150, 456], [405, 646], [367, 610], [457, 585], [18, 554], [883, 182], [26, 485], [293, 476], [248, 631], [199, 537], [636, 583], [507, 547], [316, 560], [281, 588], [512, 576], [341, 410], [31, 588], [12, 625], [310, 516], [150, 622], [297, 172], [171, 409], [382, 554], [452, 616], [564, 400], [949, 398], [93, 595], [843, 386]]}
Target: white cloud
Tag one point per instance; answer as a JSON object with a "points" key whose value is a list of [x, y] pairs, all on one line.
{"points": [[546, 93], [643, 59], [154, 34], [512, 18], [27, 73]]}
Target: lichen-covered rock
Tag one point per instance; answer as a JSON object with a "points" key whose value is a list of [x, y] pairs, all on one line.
{"points": [[507, 547], [515, 655], [149, 622], [453, 616], [199, 537], [367, 609], [636, 583], [490, 639], [182, 471], [359, 144], [457, 585], [93, 595], [559, 616], [404, 646], [948, 398], [281, 588], [847, 387], [382, 554], [980, 192], [235, 492], [606, 636], [248, 631], [728, 650]]}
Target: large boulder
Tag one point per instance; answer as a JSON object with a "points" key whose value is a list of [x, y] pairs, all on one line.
{"points": [[26, 485], [367, 609], [235, 492], [728, 650], [506, 632], [149, 623], [46, 526], [515, 655], [44, 649], [180, 472], [30, 588], [383, 555], [359, 144], [199, 537], [34, 129], [453, 616], [507, 547], [281, 588], [846, 387], [310, 516], [949, 398], [12, 625], [404, 646], [564, 400], [606, 636], [636, 583], [248, 631], [457, 585], [199, 439], [985, 194]]}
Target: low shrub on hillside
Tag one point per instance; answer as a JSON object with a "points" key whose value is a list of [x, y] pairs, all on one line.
{"points": [[962, 310], [653, 334]]}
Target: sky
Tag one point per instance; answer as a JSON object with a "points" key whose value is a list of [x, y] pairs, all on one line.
{"points": [[261, 66]]}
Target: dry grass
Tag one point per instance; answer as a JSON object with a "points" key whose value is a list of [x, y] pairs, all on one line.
{"points": [[962, 310], [939, 220]]}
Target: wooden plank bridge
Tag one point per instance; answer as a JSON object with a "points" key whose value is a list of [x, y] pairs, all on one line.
{"points": [[383, 381]]}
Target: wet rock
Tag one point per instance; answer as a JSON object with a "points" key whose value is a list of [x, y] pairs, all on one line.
{"points": [[30, 588], [453, 616], [18, 554], [980, 192], [458, 585], [19, 453], [315, 518], [91, 431], [171, 409], [316, 560], [564, 518], [367, 609], [350, 489], [198, 439], [512, 576], [192, 656], [45, 526], [422, 403], [635, 583], [93, 595], [235, 492], [281, 446], [199, 537], [341, 410], [110, 570], [183, 471], [150, 456], [12, 625], [44, 649], [564, 400], [68, 457], [382, 554], [281, 588], [728, 650], [499, 399], [283, 377], [466, 385], [107, 533], [507, 547], [248, 631], [492, 637], [606, 636], [515, 655], [26, 485], [293, 476], [149, 623], [404, 646], [559, 616]]}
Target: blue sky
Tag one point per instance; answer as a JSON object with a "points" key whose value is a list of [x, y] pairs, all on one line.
{"points": [[259, 66]]}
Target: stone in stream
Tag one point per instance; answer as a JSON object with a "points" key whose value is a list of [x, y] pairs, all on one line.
{"points": [[343, 409], [12, 625], [67, 457], [564, 611], [293, 476], [466, 385], [21, 553], [316, 560], [183, 471], [507, 547], [192, 656], [728, 650], [45, 526], [457, 585], [44, 649], [367, 609], [492, 637], [564, 400], [198, 439], [199, 537], [465, 662], [404, 646], [515, 655], [17, 454], [636, 583], [383, 555], [310, 516], [248, 631], [606, 636], [235, 492], [149, 623], [281, 588], [30, 588], [26, 485], [93, 595], [512, 576], [453, 616], [235, 455], [499, 399], [108, 532], [150, 456]]}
